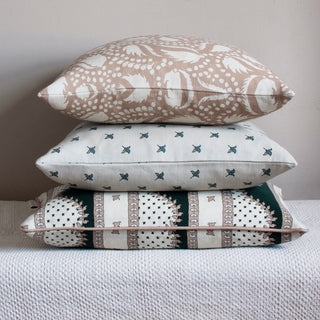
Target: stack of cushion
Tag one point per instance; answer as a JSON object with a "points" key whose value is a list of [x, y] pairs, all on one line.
{"points": [[165, 157]]}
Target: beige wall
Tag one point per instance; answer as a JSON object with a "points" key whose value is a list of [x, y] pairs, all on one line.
{"points": [[41, 37]]}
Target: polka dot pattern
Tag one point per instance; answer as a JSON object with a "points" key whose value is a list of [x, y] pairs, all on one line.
{"points": [[63, 212], [156, 210], [203, 219], [249, 212]]}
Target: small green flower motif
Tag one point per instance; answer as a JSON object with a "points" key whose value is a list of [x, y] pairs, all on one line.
{"points": [[144, 135], [161, 148], [179, 134], [54, 174], [214, 135], [196, 148], [266, 172], [126, 149], [195, 174], [91, 150], [267, 152], [231, 172], [124, 176], [159, 176], [109, 136], [232, 149], [56, 150], [88, 177]]}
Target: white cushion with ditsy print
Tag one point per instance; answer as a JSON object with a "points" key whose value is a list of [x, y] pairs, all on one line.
{"points": [[163, 157]]}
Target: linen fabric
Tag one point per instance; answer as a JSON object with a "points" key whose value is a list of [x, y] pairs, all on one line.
{"points": [[166, 79], [163, 157], [68, 217]]}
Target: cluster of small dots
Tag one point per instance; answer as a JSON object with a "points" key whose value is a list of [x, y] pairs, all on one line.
{"points": [[150, 209], [62, 238], [247, 239], [155, 239]]}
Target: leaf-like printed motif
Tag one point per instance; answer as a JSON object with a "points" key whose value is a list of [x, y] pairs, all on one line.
{"points": [[150, 50], [219, 96], [265, 103], [202, 46], [220, 48], [255, 63], [211, 87], [133, 50], [171, 39], [173, 81], [183, 56], [234, 65], [84, 92], [235, 118], [175, 97], [90, 62], [259, 86], [56, 95], [138, 82], [265, 87]]}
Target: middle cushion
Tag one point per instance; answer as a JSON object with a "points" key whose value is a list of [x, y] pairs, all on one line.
{"points": [[165, 157]]}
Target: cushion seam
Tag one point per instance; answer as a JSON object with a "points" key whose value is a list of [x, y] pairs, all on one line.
{"points": [[169, 162], [166, 89]]}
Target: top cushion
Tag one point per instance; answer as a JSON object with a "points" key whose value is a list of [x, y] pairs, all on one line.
{"points": [[166, 79]]}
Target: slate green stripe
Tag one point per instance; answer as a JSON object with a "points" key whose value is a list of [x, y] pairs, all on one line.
{"points": [[264, 194], [182, 200], [86, 197]]}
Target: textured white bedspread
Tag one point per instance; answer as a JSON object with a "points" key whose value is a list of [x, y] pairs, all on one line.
{"points": [[38, 282]]}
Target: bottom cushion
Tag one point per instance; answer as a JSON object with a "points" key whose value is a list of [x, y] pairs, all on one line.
{"points": [[67, 217]]}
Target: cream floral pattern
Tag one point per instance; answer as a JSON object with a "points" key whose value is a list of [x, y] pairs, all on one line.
{"points": [[172, 79]]}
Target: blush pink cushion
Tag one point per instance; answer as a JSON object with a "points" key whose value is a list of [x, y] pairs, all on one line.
{"points": [[172, 79]]}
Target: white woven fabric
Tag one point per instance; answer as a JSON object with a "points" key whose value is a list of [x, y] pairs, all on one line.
{"points": [[38, 282]]}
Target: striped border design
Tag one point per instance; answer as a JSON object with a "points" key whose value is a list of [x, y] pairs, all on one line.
{"points": [[227, 218], [133, 219], [193, 219], [39, 223], [98, 214]]}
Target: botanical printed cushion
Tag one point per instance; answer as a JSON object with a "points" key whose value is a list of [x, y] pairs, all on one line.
{"points": [[166, 79], [163, 157], [68, 217]]}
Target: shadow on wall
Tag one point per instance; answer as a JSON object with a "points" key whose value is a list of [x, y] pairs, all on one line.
{"points": [[28, 129]]}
